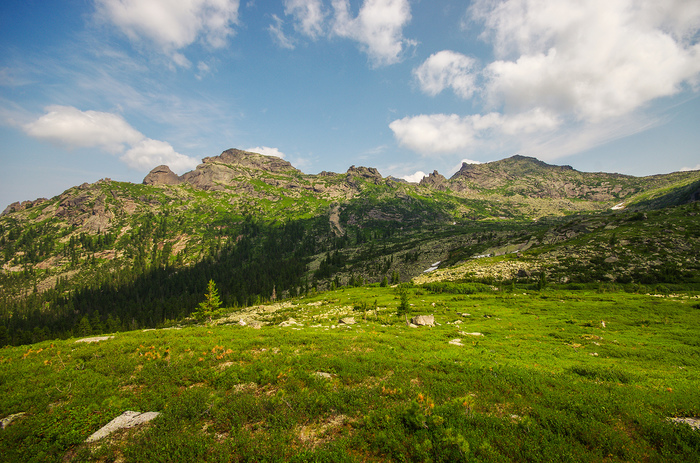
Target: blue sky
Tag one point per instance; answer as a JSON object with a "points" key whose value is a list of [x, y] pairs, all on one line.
{"points": [[112, 88]]}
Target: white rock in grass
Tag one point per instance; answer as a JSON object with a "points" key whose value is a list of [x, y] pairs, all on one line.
{"points": [[470, 334], [95, 339], [456, 342], [347, 321], [9, 419], [126, 420], [692, 422], [423, 320], [324, 375]]}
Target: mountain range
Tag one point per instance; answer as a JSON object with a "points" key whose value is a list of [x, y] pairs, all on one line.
{"points": [[142, 253]]}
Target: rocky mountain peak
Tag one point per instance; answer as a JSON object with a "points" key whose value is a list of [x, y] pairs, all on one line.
{"points": [[252, 160], [435, 181], [162, 175], [368, 173]]}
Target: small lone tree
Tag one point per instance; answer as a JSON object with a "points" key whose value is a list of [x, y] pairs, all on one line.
{"points": [[210, 306], [404, 307]]}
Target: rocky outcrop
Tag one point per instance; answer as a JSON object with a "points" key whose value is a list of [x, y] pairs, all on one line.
{"points": [[162, 175], [21, 206], [369, 174], [232, 168], [252, 160], [435, 181]]}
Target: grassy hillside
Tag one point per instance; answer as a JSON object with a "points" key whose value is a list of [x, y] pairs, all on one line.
{"points": [[515, 375]]}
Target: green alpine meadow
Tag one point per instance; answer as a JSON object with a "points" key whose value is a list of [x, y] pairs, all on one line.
{"points": [[246, 311]]}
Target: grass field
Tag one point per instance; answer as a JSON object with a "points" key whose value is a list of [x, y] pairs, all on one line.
{"points": [[529, 376]]}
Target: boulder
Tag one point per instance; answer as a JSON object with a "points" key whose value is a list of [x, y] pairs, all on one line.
{"points": [[347, 321], [127, 419], [423, 320]]}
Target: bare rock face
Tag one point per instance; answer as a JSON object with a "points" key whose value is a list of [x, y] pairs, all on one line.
{"points": [[162, 175], [369, 173], [435, 181], [253, 160], [232, 167]]}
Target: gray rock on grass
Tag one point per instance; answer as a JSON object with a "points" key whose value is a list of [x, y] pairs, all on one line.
{"points": [[423, 320], [126, 420]]}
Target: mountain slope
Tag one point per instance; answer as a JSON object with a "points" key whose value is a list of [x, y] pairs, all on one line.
{"points": [[144, 252]]}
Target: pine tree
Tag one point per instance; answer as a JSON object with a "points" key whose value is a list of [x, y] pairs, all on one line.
{"points": [[210, 306]]}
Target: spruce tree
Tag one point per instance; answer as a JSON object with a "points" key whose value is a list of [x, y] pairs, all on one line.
{"points": [[210, 306]]}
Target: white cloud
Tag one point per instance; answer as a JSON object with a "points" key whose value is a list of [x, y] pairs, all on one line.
{"points": [[172, 25], [278, 34], [567, 75], [450, 133], [446, 69], [73, 128], [149, 153], [591, 60], [434, 133], [267, 151], [414, 178], [688, 169], [378, 27], [309, 16]]}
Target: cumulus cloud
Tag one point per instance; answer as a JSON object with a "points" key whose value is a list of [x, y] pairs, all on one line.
{"points": [[309, 16], [378, 27], [149, 153], [73, 128], [447, 69], [414, 178], [564, 73], [592, 60], [170, 25], [450, 133], [267, 151], [688, 169]]}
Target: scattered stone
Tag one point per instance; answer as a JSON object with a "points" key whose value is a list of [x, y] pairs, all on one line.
{"points": [[456, 342], [256, 325], [95, 339], [611, 260], [290, 322], [9, 419], [423, 320], [462, 333], [324, 375], [242, 322], [347, 321], [411, 325], [126, 420], [692, 422], [594, 354]]}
